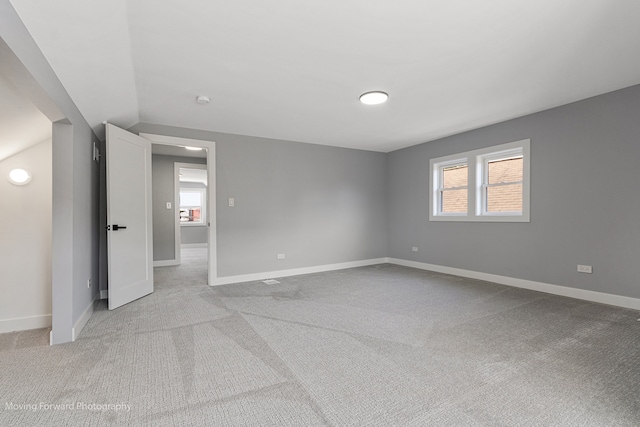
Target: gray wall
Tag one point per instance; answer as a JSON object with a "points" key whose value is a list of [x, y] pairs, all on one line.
{"points": [[318, 205], [164, 191], [194, 234], [584, 200], [75, 243]]}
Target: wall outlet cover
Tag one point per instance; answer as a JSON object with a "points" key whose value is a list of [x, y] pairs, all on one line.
{"points": [[585, 269]]}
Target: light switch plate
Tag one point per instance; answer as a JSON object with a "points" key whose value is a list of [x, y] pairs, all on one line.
{"points": [[585, 269]]}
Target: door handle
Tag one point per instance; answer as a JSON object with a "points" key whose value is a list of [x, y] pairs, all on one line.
{"points": [[117, 227]]}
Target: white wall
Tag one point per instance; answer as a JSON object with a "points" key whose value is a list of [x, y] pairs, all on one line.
{"points": [[25, 242]]}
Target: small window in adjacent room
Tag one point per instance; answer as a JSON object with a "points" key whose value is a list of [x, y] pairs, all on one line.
{"points": [[192, 206], [490, 184]]}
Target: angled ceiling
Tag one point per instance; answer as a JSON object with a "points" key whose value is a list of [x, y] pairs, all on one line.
{"points": [[193, 175], [22, 125], [294, 70], [174, 150]]}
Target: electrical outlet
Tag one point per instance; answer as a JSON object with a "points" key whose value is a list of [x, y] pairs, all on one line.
{"points": [[585, 269], [89, 283], [414, 249], [168, 205], [280, 256]]}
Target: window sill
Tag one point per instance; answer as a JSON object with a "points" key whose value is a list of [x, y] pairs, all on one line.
{"points": [[480, 218]]}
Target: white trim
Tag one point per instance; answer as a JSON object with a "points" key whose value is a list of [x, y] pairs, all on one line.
{"points": [[104, 294], [213, 218], [296, 271], [582, 294], [25, 323], [83, 319], [176, 215], [166, 262], [193, 245]]}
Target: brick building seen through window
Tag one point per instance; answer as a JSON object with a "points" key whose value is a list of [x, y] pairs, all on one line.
{"points": [[504, 192]]}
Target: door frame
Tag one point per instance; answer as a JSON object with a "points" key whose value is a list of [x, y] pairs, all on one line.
{"points": [[211, 194]]}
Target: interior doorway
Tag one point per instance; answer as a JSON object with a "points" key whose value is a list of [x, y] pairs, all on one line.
{"points": [[192, 222], [29, 276], [184, 230]]}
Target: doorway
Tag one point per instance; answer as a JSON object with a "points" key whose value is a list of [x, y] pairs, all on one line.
{"points": [[27, 167], [184, 231]]}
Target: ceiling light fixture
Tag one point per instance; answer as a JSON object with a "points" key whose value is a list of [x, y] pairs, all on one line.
{"points": [[194, 148], [203, 100], [19, 177], [374, 97]]}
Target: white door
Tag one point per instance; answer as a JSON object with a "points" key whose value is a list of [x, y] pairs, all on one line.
{"points": [[129, 220]]}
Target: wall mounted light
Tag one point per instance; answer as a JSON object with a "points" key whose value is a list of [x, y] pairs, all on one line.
{"points": [[19, 177], [194, 148], [374, 98]]}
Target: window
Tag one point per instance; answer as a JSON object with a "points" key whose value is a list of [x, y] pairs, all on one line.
{"points": [[192, 206], [491, 184], [502, 184], [453, 190]]}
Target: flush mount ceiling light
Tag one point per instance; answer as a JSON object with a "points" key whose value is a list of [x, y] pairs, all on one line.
{"points": [[19, 177], [194, 148], [203, 100], [374, 97]]}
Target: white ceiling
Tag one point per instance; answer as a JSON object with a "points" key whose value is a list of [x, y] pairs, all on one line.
{"points": [[294, 70], [193, 175], [174, 150], [22, 125]]}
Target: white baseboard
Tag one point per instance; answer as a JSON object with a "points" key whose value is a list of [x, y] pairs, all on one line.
{"points": [[104, 294], [25, 323], [83, 319], [599, 297], [193, 245], [165, 263], [295, 271]]}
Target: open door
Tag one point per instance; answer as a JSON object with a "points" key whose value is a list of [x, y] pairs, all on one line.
{"points": [[129, 217]]}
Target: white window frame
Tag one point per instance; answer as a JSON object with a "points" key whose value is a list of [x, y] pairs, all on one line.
{"points": [[477, 161], [439, 178], [203, 208]]}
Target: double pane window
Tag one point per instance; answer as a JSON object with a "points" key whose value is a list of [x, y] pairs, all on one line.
{"points": [[490, 184]]}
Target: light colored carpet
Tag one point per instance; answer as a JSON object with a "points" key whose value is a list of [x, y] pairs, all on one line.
{"points": [[382, 345]]}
